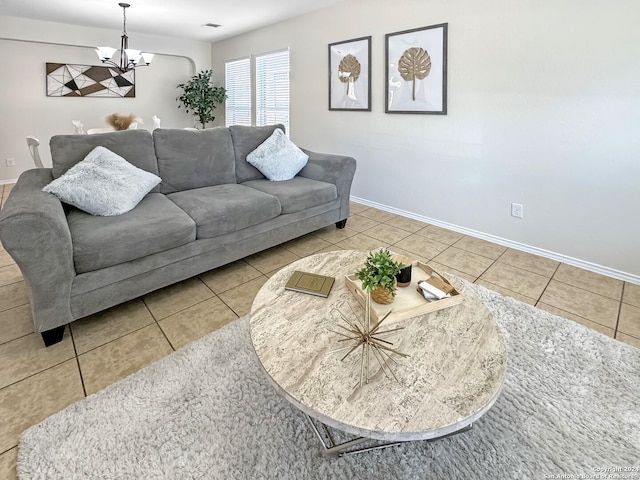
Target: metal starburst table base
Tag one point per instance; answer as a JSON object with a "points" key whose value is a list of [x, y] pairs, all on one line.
{"points": [[351, 447]]}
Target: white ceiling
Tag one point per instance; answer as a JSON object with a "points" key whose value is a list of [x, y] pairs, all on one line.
{"points": [[177, 18]]}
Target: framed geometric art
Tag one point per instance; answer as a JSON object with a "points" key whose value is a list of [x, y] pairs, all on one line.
{"points": [[350, 75], [65, 80], [416, 70]]}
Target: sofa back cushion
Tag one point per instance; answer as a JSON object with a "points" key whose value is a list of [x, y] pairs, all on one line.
{"points": [[135, 146], [194, 159], [245, 141]]}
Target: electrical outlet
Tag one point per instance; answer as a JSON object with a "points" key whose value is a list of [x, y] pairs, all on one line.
{"points": [[516, 210], [11, 162]]}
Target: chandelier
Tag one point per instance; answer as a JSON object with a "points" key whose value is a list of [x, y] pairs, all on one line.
{"points": [[129, 58]]}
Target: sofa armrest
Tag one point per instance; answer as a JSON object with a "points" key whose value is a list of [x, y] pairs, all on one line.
{"points": [[336, 169], [34, 231]]}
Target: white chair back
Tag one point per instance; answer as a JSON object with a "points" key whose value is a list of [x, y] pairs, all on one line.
{"points": [[78, 125], [92, 131], [33, 143]]}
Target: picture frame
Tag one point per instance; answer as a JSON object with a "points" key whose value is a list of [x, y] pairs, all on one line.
{"points": [[416, 70], [72, 80], [350, 75]]}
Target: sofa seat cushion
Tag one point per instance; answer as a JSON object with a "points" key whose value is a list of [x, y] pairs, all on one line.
{"points": [[221, 209], [155, 225], [297, 194]]}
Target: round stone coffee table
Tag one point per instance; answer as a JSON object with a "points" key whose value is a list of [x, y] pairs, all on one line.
{"points": [[453, 375]]}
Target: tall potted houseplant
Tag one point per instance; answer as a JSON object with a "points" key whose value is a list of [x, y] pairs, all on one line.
{"points": [[200, 97]]}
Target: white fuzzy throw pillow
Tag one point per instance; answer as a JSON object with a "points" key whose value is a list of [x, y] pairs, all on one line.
{"points": [[278, 158], [103, 184]]}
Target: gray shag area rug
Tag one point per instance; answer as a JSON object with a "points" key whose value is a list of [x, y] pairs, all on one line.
{"points": [[570, 405]]}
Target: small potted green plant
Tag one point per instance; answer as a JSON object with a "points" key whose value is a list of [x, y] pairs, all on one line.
{"points": [[201, 97], [378, 275]]}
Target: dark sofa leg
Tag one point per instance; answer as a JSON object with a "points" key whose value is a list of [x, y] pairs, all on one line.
{"points": [[341, 223], [53, 336]]}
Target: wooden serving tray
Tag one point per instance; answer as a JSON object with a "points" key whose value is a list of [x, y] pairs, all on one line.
{"points": [[409, 302]]}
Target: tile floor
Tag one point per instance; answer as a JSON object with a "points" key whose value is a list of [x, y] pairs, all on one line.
{"points": [[36, 382]]}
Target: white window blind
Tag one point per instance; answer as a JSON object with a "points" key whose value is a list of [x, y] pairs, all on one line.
{"points": [[272, 89], [237, 79]]}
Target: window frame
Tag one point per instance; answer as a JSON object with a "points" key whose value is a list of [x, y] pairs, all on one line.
{"points": [[265, 116]]}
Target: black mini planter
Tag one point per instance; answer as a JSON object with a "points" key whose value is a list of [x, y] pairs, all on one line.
{"points": [[404, 276]]}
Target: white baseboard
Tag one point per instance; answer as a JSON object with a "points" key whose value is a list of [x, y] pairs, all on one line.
{"points": [[576, 262], [6, 182]]}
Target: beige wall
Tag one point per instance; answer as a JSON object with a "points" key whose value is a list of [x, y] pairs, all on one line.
{"points": [[25, 47], [544, 110]]}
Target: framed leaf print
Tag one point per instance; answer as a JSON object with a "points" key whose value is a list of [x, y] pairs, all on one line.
{"points": [[350, 75], [416, 70]]}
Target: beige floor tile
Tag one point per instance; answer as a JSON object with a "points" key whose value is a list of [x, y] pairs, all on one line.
{"points": [[529, 262], [506, 292], [329, 249], [8, 463], [576, 318], [464, 261], [30, 401], [377, 215], [360, 224], [387, 234], [109, 363], [196, 322], [104, 327], [334, 235], [5, 259], [306, 245], [440, 234], [13, 295], [480, 247], [27, 356], [172, 299], [357, 207], [599, 309], [272, 273], [421, 246], [443, 269], [240, 298], [360, 241], [629, 322], [10, 274], [594, 282], [628, 339], [404, 223], [631, 294], [229, 276], [268, 260], [413, 256], [515, 279], [15, 323]]}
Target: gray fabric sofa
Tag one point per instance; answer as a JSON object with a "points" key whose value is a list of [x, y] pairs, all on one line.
{"points": [[211, 208]]}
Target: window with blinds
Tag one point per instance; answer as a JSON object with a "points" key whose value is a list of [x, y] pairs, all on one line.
{"points": [[272, 88], [237, 79]]}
